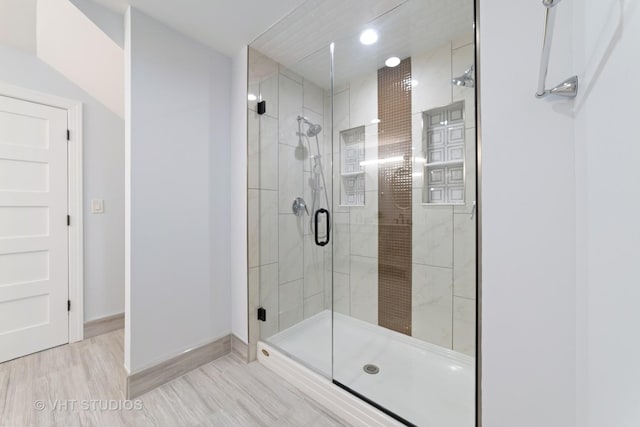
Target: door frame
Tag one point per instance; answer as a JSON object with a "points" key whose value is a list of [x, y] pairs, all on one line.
{"points": [[74, 198]]}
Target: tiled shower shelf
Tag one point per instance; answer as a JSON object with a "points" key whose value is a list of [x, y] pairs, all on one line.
{"points": [[443, 145], [352, 185], [352, 173], [447, 163]]}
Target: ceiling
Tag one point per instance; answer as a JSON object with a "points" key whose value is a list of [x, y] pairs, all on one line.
{"points": [[405, 27], [224, 25]]}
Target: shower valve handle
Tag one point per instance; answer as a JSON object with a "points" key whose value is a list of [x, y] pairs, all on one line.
{"points": [[299, 207]]}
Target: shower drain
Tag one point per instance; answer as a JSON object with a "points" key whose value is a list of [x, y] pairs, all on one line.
{"points": [[371, 369]]}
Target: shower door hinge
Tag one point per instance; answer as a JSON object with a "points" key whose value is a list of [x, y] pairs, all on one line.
{"points": [[262, 107], [68, 135], [68, 220], [262, 314], [68, 305]]}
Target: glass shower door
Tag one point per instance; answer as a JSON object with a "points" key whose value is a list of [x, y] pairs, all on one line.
{"points": [[290, 198]]}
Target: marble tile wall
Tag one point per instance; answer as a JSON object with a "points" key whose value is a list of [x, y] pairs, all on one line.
{"points": [[444, 250], [444, 247]]}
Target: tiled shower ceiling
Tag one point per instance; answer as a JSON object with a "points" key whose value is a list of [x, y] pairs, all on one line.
{"points": [[300, 41]]}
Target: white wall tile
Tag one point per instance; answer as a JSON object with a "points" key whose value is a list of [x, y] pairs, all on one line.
{"points": [[254, 89], [313, 97], [363, 230], [341, 122], [290, 107], [432, 304], [464, 325], [268, 284], [432, 233], [371, 153], [253, 150], [464, 255], [314, 271], [364, 240], [290, 248], [433, 72], [253, 225], [341, 242], [290, 303], [417, 150], [364, 289], [269, 93], [268, 226], [464, 39], [290, 178], [363, 100], [469, 173], [461, 60], [313, 305], [268, 167], [341, 293], [253, 279]]}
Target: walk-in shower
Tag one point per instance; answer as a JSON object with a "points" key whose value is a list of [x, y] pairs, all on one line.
{"points": [[362, 195]]}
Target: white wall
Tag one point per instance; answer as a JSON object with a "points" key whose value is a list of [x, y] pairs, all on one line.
{"points": [[177, 144], [18, 24], [103, 179], [607, 156], [238, 205], [528, 222]]}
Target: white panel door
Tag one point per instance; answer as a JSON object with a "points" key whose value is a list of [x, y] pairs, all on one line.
{"points": [[33, 228]]}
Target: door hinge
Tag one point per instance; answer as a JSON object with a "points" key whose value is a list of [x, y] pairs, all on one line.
{"points": [[68, 305], [262, 314], [68, 135], [68, 220]]}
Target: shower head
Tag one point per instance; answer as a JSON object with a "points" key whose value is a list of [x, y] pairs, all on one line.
{"points": [[313, 130], [466, 80]]}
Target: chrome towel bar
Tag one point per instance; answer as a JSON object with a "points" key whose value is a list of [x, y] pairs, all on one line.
{"points": [[569, 87]]}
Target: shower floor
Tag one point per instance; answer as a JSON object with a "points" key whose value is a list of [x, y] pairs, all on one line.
{"points": [[423, 383]]}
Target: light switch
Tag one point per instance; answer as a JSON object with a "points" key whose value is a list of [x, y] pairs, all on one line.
{"points": [[97, 206]]}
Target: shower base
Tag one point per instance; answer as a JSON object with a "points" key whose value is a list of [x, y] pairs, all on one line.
{"points": [[424, 384]]}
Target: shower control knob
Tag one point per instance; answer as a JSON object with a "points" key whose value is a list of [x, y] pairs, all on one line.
{"points": [[299, 207]]}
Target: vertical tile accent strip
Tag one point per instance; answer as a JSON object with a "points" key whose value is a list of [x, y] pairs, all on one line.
{"points": [[394, 197]]}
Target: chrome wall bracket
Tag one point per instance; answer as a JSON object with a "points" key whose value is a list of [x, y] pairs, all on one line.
{"points": [[569, 87]]}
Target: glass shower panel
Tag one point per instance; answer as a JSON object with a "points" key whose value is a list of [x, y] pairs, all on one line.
{"points": [[289, 130], [404, 183]]}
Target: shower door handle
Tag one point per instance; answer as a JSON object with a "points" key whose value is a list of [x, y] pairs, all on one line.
{"points": [[316, 219]]}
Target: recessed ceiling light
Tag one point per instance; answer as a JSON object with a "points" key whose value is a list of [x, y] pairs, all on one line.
{"points": [[394, 61], [252, 97], [368, 36]]}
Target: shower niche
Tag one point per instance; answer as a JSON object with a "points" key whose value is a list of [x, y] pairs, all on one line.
{"points": [[444, 155], [352, 174]]}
